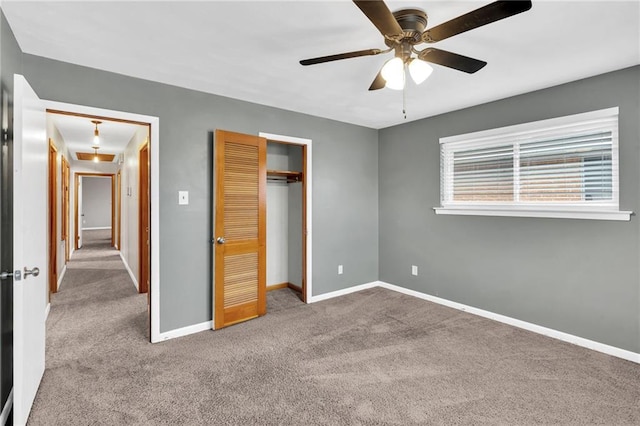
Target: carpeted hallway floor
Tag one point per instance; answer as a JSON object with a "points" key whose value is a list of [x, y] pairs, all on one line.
{"points": [[375, 357]]}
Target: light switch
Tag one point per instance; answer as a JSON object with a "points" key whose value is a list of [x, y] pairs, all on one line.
{"points": [[340, 269], [414, 270], [183, 198]]}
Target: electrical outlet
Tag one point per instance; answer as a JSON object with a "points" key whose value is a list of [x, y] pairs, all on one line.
{"points": [[414, 270], [183, 198], [340, 269]]}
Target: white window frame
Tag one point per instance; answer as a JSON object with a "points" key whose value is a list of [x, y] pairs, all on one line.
{"points": [[532, 131]]}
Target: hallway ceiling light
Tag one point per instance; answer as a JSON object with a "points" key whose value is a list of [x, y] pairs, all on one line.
{"points": [[96, 133], [95, 149]]}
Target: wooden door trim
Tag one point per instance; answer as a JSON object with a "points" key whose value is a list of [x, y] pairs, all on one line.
{"points": [[66, 182], [97, 117], [119, 210], [75, 201], [144, 220], [53, 217], [113, 211]]}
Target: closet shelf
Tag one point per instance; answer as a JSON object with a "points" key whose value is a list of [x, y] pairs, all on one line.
{"points": [[284, 176]]}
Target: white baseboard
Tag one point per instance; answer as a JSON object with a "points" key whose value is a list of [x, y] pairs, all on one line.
{"points": [[565, 337], [184, 331], [126, 265], [64, 271], [342, 292], [6, 409], [96, 228], [46, 311], [208, 325]]}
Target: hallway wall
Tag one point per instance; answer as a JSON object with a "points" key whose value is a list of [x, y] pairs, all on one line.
{"points": [[130, 191]]}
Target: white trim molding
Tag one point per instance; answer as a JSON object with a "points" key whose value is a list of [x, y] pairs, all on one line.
{"points": [[97, 228], [46, 311], [185, 331], [345, 291], [64, 271], [126, 265], [521, 130], [545, 331], [549, 332], [555, 214]]}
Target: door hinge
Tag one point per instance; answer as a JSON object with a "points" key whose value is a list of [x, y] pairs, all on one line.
{"points": [[17, 275]]}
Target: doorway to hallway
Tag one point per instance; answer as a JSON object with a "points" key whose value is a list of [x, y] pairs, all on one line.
{"points": [[126, 185]]}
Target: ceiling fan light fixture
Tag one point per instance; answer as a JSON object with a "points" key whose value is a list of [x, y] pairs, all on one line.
{"points": [[393, 73], [419, 70]]}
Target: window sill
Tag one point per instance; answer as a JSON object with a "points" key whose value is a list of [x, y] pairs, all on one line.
{"points": [[557, 214]]}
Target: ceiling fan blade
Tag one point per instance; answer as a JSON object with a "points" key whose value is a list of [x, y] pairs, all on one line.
{"points": [[322, 59], [380, 16], [451, 60], [485, 15], [378, 82]]}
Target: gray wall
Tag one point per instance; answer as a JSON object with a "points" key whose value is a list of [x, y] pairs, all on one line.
{"points": [[345, 178], [96, 202], [577, 276]]}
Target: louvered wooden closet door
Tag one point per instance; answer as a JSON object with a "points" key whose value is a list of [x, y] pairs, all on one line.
{"points": [[240, 227]]}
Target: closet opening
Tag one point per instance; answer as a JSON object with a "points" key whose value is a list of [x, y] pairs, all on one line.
{"points": [[286, 217]]}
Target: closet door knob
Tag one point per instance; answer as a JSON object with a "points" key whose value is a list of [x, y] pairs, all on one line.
{"points": [[220, 240]]}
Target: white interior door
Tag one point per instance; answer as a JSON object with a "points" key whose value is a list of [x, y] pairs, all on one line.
{"points": [[30, 246], [80, 214]]}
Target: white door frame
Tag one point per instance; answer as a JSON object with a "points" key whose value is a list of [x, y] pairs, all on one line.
{"points": [[308, 182], [154, 145]]}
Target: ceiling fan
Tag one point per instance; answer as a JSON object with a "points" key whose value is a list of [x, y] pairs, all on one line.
{"points": [[405, 29]]}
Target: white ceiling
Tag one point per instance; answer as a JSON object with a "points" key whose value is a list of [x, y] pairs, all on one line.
{"points": [[250, 50], [77, 133]]}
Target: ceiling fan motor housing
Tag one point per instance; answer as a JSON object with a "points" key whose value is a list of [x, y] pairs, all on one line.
{"points": [[413, 22]]}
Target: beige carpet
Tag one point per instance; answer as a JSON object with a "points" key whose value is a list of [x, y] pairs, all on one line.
{"points": [[370, 358]]}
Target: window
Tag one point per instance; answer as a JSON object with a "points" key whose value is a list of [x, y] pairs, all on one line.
{"points": [[563, 167]]}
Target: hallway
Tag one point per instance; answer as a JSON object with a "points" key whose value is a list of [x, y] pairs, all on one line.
{"points": [[101, 367], [96, 306]]}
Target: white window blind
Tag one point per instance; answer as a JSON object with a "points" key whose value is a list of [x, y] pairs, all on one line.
{"points": [[562, 165]]}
